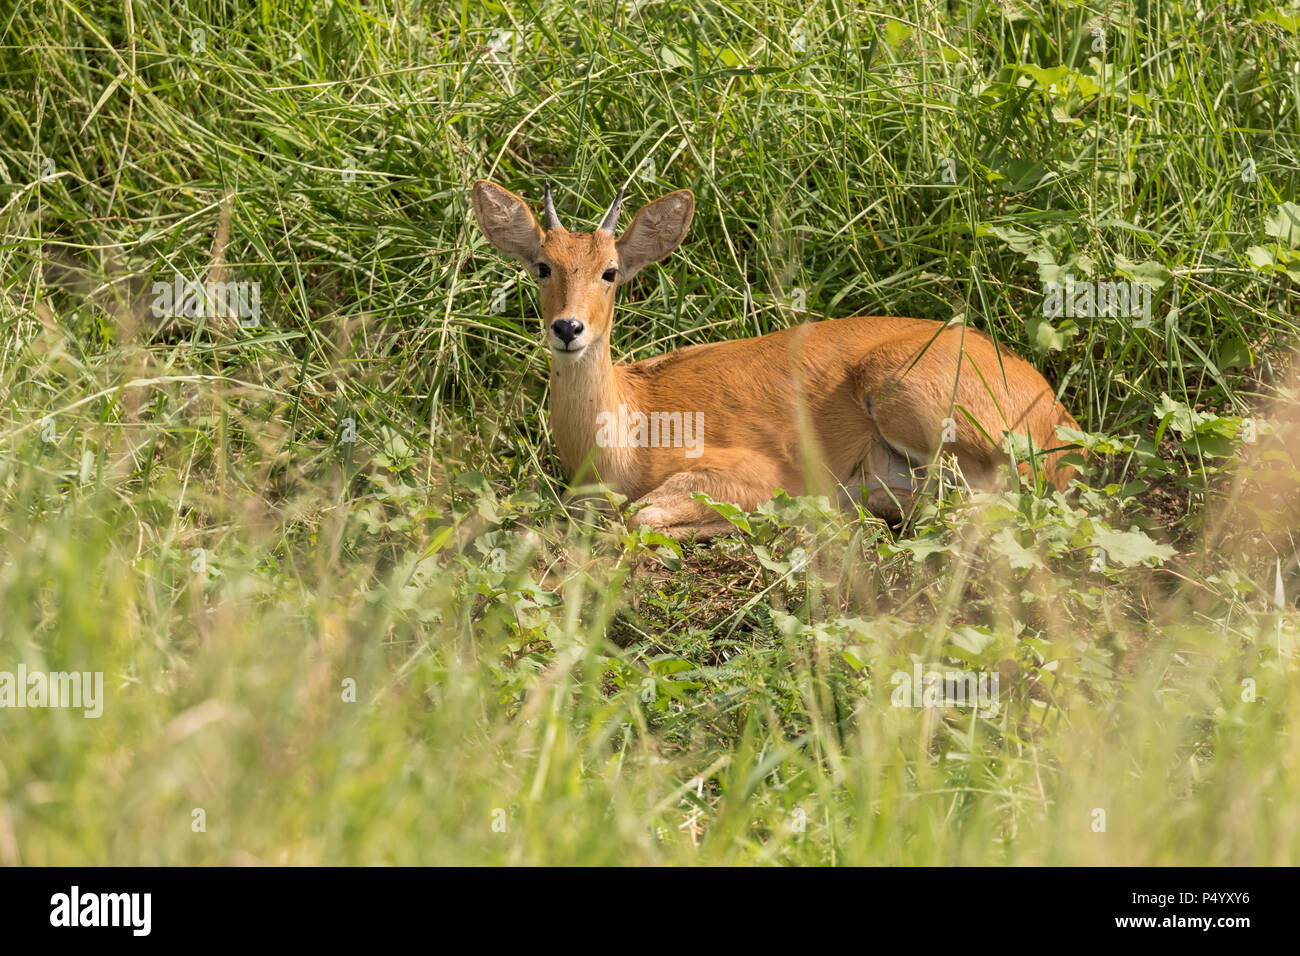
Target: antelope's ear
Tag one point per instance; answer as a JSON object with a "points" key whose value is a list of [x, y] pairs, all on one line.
{"points": [[657, 229], [507, 222]]}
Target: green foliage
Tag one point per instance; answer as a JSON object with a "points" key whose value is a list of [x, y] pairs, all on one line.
{"points": [[324, 562]]}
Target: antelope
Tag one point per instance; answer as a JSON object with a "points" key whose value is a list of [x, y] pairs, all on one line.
{"points": [[851, 405]]}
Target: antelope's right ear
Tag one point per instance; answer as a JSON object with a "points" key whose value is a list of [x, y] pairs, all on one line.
{"points": [[507, 222]]}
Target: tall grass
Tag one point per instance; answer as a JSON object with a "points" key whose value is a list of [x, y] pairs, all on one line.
{"points": [[405, 649]]}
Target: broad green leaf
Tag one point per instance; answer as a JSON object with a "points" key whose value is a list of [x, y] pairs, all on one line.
{"points": [[1283, 223], [1130, 548]]}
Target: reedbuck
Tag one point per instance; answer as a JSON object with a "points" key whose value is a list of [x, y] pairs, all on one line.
{"points": [[863, 403]]}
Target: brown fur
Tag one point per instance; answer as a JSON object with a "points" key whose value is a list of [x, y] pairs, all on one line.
{"points": [[839, 403]]}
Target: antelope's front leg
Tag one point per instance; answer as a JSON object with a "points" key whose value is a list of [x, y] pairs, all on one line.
{"points": [[739, 477]]}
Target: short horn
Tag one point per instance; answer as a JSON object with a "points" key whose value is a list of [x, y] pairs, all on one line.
{"points": [[549, 218], [611, 218]]}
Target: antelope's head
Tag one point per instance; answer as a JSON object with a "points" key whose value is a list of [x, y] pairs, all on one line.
{"points": [[577, 272]]}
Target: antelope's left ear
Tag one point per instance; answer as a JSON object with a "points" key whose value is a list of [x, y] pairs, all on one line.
{"points": [[657, 229], [507, 221]]}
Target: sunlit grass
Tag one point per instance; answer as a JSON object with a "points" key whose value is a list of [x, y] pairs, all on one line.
{"points": [[316, 641]]}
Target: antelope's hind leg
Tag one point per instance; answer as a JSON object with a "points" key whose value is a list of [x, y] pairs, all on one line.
{"points": [[921, 412], [892, 480]]}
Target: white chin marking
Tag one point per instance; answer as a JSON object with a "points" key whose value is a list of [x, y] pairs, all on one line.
{"points": [[572, 350]]}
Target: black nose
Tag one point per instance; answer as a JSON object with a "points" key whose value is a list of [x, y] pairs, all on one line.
{"points": [[566, 330]]}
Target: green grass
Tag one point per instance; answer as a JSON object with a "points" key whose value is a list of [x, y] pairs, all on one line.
{"points": [[181, 511]]}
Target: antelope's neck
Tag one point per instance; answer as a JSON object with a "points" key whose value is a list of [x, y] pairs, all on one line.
{"points": [[582, 389]]}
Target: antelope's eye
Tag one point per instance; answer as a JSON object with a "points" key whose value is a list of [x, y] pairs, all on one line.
{"points": [[609, 275], [543, 270]]}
